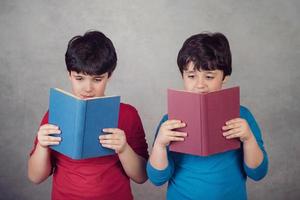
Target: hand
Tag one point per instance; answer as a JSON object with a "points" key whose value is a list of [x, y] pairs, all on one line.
{"points": [[44, 137], [237, 128], [116, 140], [166, 134]]}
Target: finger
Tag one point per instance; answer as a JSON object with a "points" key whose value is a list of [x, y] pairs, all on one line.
{"points": [[111, 146], [231, 131], [54, 131], [46, 141], [231, 126], [50, 131], [51, 139], [110, 136], [48, 126], [174, 139], [235, 135], [171, 121], [111, 142], [175, 125], [178, 134], [51, 143], [233, 121], [111, 130]]}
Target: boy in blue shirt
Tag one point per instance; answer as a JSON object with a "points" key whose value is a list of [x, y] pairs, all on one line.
{"points": [[205, 65]]}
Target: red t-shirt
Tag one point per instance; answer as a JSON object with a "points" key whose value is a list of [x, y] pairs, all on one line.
{"points": [[98, 178]]}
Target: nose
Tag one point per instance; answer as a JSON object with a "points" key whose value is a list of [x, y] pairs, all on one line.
{"points": [[88, 87], [200, 84]]}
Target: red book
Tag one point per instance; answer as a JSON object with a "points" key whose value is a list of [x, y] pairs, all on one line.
{"points": [[204, 115]]}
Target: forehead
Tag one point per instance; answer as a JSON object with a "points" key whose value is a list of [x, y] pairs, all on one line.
{"points": [[190, 68], [74, 73]]}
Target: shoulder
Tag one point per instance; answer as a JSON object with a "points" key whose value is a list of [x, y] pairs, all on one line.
{"points": [[45, 119], [165, 118], [127, 109], [128, 114], [245, 112]]}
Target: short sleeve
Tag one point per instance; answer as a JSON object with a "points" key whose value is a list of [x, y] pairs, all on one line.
{"points": [[44, 121], [131, 123]]}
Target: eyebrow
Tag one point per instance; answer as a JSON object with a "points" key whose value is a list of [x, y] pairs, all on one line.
{"points": [[93, 76], [205, 71], [99, 76], [189, 71], [210, 72]]}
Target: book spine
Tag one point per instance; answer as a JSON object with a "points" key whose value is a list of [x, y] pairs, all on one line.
{"points": [[79, 129], [203, 128]]}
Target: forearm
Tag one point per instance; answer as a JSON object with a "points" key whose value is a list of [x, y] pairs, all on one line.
{"points": [[134, 165], [253, 155], [39, 165], [159, 167], [159, 158]]}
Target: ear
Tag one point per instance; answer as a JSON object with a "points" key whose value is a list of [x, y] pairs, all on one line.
{"points": [[69, 75], [109, 78], [225, 79]]}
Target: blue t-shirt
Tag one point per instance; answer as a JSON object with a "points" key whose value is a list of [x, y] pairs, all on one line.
{"points": [[219, 176]]}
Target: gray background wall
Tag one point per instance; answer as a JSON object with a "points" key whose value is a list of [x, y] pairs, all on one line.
{"points": [[265, 41]]}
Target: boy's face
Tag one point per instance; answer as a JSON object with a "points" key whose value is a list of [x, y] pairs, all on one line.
{"points": [[202, 81], [87, 86]]}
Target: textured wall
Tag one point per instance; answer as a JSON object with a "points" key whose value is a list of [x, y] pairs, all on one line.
{"points": [[265, 42]]}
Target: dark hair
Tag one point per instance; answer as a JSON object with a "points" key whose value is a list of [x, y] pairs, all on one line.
{"points": [[207, 51], [92, 54]]}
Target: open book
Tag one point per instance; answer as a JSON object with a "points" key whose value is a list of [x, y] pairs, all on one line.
{"points": [[204, 115], [81, 122]]}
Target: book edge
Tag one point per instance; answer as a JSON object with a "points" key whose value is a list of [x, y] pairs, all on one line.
{"points": [[75, 97]]}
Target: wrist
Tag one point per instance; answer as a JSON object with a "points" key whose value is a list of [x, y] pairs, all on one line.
{"points": [[159, 146], [250, 139], [42, 147], [124, 149]]}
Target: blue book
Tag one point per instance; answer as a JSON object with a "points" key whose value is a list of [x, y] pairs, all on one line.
{"points": [[81, 122]]}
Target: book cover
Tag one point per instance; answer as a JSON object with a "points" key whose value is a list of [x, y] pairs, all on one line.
{"points": [[81, 122], [204, 115]]}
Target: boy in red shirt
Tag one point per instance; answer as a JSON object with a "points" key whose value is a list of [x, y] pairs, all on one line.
{"points": [[91, 60]]}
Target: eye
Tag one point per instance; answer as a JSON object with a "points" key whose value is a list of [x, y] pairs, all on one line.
{"points": [[98, 79], [78, 78], [209, 76], [191, 76]]}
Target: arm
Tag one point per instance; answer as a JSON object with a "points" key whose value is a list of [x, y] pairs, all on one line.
{"points": [[239, 128], [158, 158], [39, 164], [133, 164], [159, 177], [247, 130], [159, 167]]}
